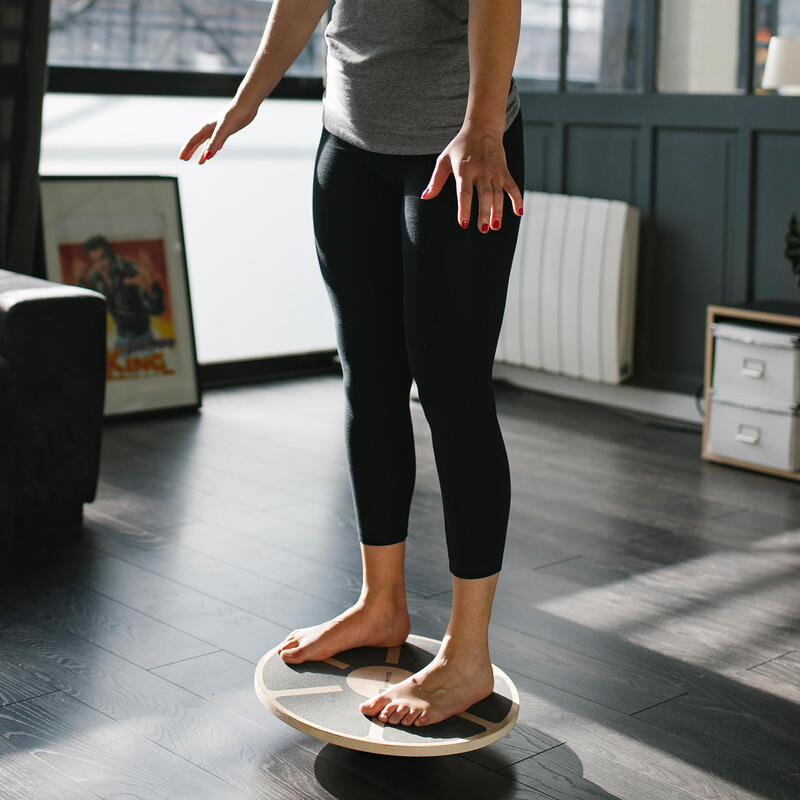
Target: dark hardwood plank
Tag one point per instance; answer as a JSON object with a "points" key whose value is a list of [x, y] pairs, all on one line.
{"points": [[602, 740], [628, 689], [103, 757], [193, 612], [559, 772], [253, 758], [767, 726], [669, 598], [442, 778], [190, 481], [16, 685], [280, 602], [127, 506], [646, 610], [24, 775], [785, 668], [273, 555], [113, 626]]}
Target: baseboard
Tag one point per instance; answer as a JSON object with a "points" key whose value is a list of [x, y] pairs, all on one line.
{"points": [[660, 403]]}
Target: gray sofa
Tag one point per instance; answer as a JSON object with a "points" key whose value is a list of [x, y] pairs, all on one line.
{"points": [[52, 393]]}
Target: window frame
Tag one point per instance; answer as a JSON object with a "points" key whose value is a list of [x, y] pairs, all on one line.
{"points": [[173, 83], [650, 42], [112, 80]]}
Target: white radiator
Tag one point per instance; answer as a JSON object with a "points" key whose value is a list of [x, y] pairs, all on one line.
{"points": [[572, 290]]}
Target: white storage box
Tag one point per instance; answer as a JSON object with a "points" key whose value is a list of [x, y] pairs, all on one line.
{"points": [[757, 430], [757, 362]]}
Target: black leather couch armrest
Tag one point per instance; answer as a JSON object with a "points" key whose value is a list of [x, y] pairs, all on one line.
{"points": [[27, 293], [54, 339], [8, 411]]}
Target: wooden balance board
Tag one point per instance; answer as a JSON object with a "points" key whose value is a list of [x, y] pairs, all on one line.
{"points": [[321, 698]]}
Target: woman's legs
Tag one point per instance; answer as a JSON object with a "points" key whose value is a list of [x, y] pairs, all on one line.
{"points": [[455, 286], [357, 224], [357, 206]]}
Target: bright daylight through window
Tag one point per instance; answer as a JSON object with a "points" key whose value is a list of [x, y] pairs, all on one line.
{"points": [[180, 35]]}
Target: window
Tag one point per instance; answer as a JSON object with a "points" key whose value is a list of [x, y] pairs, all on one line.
{"points": [[603, 45], [772, 18], [253, 272], [699, 46], [538, 53], [605, 38], [175, 35]]}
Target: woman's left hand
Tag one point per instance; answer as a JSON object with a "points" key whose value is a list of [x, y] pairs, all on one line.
{"points": [[476, 159]]}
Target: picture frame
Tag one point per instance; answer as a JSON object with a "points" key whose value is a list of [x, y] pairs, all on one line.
{"points": [[123, 237]]}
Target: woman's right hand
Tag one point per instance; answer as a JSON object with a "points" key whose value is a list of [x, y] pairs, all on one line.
{"points": [[233, 119]]}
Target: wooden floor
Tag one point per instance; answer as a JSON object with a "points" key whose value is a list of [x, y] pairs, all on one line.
{"points": [[647, 611]]}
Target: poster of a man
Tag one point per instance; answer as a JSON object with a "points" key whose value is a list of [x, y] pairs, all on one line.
{"points": [[130, 287], [122, 238]]}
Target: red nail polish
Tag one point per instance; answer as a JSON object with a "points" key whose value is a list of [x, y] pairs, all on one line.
{"points": [[425, 193], [484, 227], [464, 223], [519, 211], [496, 224]]}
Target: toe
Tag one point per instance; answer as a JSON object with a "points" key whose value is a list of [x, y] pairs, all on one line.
{"points": [[291, 654], [422, 719], [374, 705], [409, 718], [387, 712], [399, 713]]}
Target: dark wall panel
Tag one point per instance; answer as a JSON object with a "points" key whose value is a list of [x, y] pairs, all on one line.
{"points": [[691, 230], [601, 162], [539, 141], [777, 195], [715, 178]]}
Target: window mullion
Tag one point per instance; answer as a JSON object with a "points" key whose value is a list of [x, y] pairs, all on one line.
{"points": [[650, 53], [747, 39], [564, 49]]}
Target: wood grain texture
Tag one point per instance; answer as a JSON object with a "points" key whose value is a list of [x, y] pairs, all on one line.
{"points": [[646, 612], [23, 775]]}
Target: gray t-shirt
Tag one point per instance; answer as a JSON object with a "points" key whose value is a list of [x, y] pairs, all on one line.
{"points": [[398, 74]]}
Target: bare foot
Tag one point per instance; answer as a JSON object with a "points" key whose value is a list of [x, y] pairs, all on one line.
{"points": [[364, 624], [450, 684]]}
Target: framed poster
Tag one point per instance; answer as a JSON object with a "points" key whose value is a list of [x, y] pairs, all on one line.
{"points": [[123, 237]]}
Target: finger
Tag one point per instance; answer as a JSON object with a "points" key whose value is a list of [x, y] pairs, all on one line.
{"points": [[196, 140], [497, 208], [438, 178], [464, 194], [221, 133], [485, 195], [510, 185]]}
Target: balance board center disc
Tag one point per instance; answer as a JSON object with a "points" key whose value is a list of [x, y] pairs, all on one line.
{"points": [[321, 698]]}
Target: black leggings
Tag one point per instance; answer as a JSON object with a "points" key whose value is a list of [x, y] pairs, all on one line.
{"points": [[414, 294]]}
